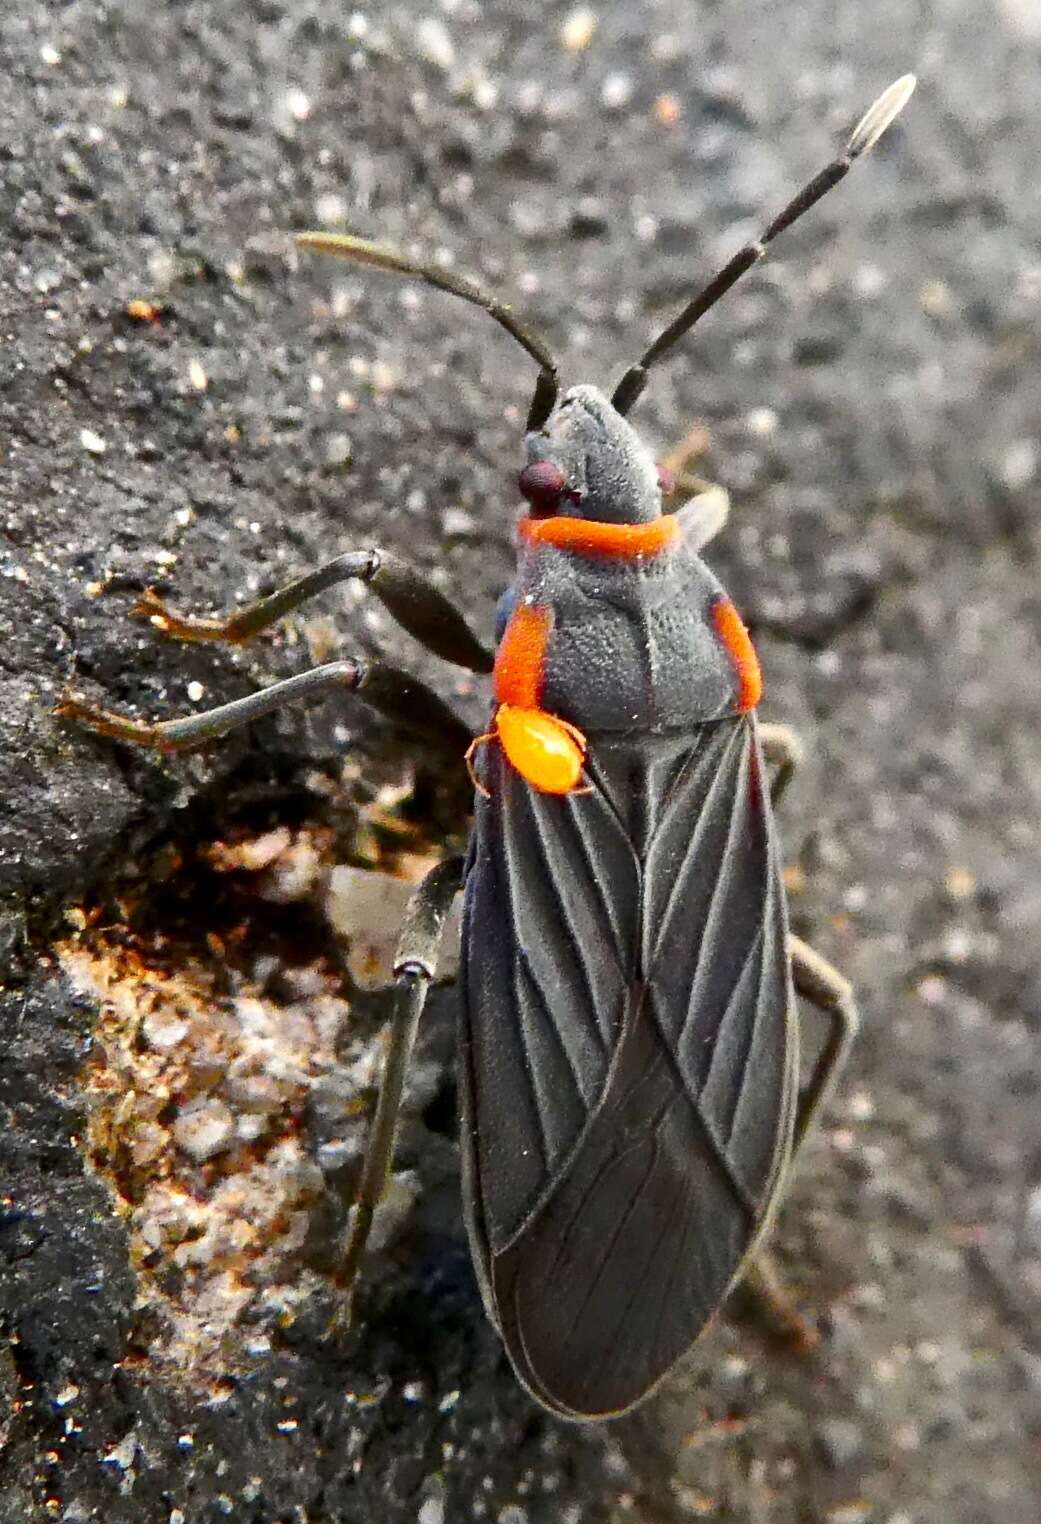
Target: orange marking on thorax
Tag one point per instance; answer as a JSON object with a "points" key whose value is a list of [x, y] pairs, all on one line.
{"points": [[590, 537], [543, 748], [521, 653], [734, 636]]}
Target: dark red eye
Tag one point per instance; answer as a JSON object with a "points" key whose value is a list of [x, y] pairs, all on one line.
{"points": [[666, 481], [542, 485]]}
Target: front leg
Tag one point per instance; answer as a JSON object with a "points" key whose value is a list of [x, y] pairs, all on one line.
{"points": [[706, 511], [418, 606], [402, 698]]}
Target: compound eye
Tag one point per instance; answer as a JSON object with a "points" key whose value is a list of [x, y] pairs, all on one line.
{"points": [[542, 485]]}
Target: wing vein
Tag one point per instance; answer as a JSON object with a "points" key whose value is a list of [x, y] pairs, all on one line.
{"points": [[731, 1009], [717, 1149], [605, 1257], [721, 891], [721, 782], [575, 942], [607, 902]]}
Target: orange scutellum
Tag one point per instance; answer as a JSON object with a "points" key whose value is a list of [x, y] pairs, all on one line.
{"points": [[543, 748]]}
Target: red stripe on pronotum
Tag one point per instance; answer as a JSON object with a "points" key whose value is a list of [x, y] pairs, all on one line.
{"points": [[735, 637], [590, 537]]}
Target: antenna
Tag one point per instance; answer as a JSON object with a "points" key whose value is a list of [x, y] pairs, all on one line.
{"points": [[863, 137], [344, 246]]}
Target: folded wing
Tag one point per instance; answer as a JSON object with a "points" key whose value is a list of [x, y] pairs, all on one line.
{"points": [[627, 1058]]}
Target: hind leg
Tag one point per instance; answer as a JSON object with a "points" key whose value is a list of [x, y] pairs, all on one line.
{"points": [[823, 986], [414, 965], [401, 698], [783, 750]]}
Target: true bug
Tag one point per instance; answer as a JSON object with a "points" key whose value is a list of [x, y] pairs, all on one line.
{"points": [[628, 1048]]}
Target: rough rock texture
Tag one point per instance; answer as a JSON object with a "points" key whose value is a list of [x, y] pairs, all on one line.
{"points": [[873, 401]]}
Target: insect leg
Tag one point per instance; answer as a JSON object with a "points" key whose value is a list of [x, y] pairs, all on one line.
{"points": [[704, 515], [414, 966], [683, 455], [413, 602], [708, 505], [824, 987], [402, 698], [782, 748], [762, 1281], [817, 981]]}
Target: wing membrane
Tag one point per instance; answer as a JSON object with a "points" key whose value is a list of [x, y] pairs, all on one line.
{"points": [[626, 972]]}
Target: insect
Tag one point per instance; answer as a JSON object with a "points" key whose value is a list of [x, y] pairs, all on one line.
{"points": [[628, 1060]]}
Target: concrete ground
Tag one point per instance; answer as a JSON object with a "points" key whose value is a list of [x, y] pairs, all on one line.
{"points": [[189, 1049]]}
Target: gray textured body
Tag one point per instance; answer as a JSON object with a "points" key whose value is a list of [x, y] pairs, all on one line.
{"points": [[611, 474], [633, 645], [628, 1055]]}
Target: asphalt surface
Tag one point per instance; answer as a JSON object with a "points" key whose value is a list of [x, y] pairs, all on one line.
{"points": [[185, 404]]}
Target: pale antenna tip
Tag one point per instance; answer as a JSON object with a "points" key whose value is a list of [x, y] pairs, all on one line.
{"points": [[880, 114]]}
